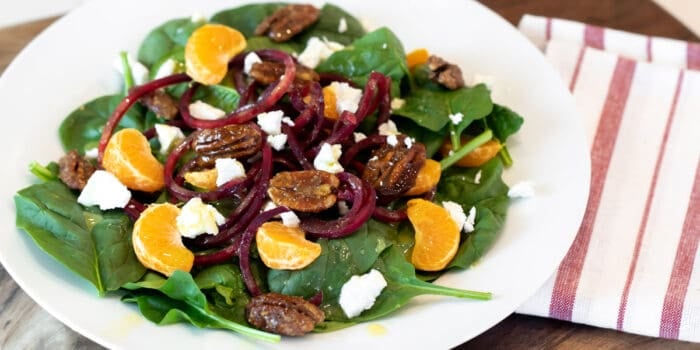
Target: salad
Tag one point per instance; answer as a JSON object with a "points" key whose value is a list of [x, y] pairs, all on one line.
{"points": [[274, 170]]}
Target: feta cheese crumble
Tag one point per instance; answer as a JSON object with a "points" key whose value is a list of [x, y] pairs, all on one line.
{"points": [[477, 177], [204, 111], [392, 140], [288, 121], [167, 136], [271, 122], [359, 293], [249, 61], [359, 136], [347, 98], [456, 118], [197, 218], [290, 219], [138, 71], [521, 189], [228, 169], [342, 25], [327, 158], [409, 142], [105, 190], [277, 141], [456, 213], [343, 207], [471, 220], [318, 50], [91, 153], [397, 103], [388, 128], [166, 68]]}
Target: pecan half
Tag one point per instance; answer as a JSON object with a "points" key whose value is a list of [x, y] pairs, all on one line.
{"points": [[74, 170], [287, 22], [392, 170], [230, 141], [283, 314], [269, 72], [160, 103], [444, 73], [308, 191]]}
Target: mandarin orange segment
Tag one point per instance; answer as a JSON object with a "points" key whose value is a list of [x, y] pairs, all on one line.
{"points": [[128, 156], [477, 157], [416, 57], [208, 51], [157, 242], [437, 235], [428, 177], [284, 248], [205, 179], [329, 103]]}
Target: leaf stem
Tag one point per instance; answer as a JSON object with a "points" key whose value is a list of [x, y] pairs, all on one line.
{"points": [[454, 137], [128, 75], [251, 332], [466, 148], [435, 289], [42, 172], [505, 156]]}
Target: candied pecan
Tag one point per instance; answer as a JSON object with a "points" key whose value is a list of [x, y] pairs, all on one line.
{"points": [[160, 103], [308, 191], [444, 73], [288, 21], [393, 169], [269, 72], [283, 314], [230, 141], [74, 170]]}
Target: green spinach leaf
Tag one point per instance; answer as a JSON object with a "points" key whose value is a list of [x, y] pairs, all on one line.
{"points": [[96, 246], [431, 108], [262, 42], [246, 18], [503, 122], [219, 96], [225, 290], [83, 127], [165, 39], [490, 217], [327, 27], [178, 299]]}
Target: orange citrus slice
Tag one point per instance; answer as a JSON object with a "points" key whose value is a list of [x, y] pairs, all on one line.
{"points": [[329, 103], [208, 51], [428, 177], [205, 179], [284, 248], [437, 235], [157, 242], [416, 57], [128, 156]]}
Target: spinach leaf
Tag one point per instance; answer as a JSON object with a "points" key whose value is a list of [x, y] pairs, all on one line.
{"points": [[166, 38], [96, 246], [246, 18], [432, 140], [379, 51], [226, 291], [503, 122], [431, 108], [178, 299], [327, 27], [219, 96], [490, 217], [83, 127], [340, 259], [262, 42]]}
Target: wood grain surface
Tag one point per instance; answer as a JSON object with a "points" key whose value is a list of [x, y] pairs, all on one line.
{"points": [[25, 325]]}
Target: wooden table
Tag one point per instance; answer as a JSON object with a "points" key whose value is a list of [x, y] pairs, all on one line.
{"points": [[26, 325]]}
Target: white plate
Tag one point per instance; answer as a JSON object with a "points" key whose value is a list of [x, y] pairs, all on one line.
{"points": [[71, 61]]}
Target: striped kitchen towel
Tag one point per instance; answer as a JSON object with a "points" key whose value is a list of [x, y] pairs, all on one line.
{"points": [[634, 264]]}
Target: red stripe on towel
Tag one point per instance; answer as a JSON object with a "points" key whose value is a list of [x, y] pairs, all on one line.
{"points": [[548, 29], [567, 280], [693, 56], [647, 205], [577, 69], [594, 36], [650, 57]]}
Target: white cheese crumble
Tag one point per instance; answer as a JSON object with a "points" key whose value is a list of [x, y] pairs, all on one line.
{"points": [[397, 103], [388, 128], [343, 207], [477, 177], [249, 61], [456, 118], [360, 292], [138, 71], [318, 50], [204, 111], [342, 25], [290, 219], [521, 189], [471, 220], [277, 141], [105, 190], [359, 136], [197, 218], [166, 68], [228, 169], [456, 213], [392, 140], [347, 98], [198, 17], [409, 142], [91, 153], [288, 121], [271, 122], [167, 136], [327, 158], [269, 205]]}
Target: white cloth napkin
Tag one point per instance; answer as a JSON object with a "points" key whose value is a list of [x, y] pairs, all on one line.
{"points": [[634, 265]]}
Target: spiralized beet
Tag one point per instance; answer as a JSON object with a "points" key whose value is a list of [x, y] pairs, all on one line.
{"points": [[352, 152], [134, 209], [388, 215]]}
